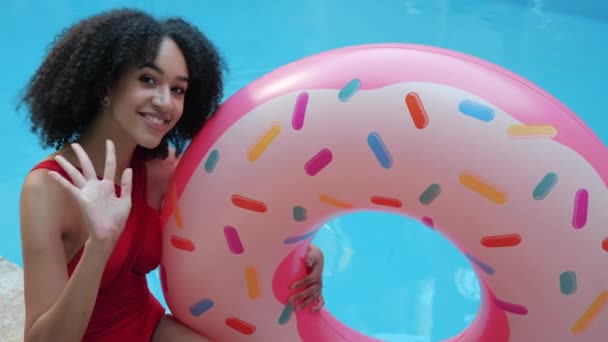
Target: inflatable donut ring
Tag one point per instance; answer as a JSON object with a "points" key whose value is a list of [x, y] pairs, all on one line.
{"points": [[501, 168]]}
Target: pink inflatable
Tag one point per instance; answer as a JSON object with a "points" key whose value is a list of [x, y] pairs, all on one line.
{"points": [[499, 166]]}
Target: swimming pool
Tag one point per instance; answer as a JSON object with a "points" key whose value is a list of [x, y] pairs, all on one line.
{"points": [[401, 287]]}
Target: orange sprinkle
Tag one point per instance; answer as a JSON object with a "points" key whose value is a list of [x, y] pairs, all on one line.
{"points": [[248, 203], [590, 314], [508, 240], [254, 284], [240, 326], [176, 212], [256, 151], [334, 202], [181, 243], [483, 188], [386, 201], [414, 104], [532, 131]]}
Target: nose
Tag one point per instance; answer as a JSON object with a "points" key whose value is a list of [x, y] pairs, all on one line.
{"points": [[162, 100]]}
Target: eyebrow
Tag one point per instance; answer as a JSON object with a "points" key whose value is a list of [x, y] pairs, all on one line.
{"points": [[161, 71]]}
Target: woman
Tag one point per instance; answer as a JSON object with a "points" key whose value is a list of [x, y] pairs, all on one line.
{"points": [[114, 91]]}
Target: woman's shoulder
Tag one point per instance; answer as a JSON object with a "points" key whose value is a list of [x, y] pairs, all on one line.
{"points": [[159, 170]]}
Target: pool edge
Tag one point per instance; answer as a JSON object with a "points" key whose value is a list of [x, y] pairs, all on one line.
{"points": [[12, 314]]}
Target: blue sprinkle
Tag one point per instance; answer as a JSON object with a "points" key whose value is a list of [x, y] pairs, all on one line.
{"points": [[201, 307], [349, 90], [295, 239], [484, 267], [286, 314], [567, 283], [211, 162], [545, 186], [377, 145], [476, 110], [430, 194]]}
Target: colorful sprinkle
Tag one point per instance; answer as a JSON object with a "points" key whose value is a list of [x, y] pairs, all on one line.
{"points": [[201, 307], [512, 308], [476, 110], [581, 206], [299, 111], [382, 154], [349, 90], [299, 214], [545, 186], [508, 240], [427, 221], [211, 161], [318, 162], [286, 314], [532, 131], [254, 282], [567, 283], [248, 203], [387, 201], [430, 194], [334, 202], [240, 326], [483, 266], [176, 212], [263, 142], [234, 241], [181, 243], [605, 244], [417, 111], [590, 314], [294, 239], [483, 188]]}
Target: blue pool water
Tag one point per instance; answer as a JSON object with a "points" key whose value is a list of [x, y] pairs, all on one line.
{"points": [[385, 275]]}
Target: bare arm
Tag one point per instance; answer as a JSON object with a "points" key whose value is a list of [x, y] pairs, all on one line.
{"points": [[58, 308], [55, 308]]}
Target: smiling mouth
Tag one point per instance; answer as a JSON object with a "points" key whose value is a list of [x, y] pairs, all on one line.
{"points": [[154, 119]]}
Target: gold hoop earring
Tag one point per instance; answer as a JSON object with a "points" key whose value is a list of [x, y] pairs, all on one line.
{"points": [[105, 101]]}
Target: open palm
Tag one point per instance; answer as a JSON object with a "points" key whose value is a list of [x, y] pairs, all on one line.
{"points": [[104, 212]]}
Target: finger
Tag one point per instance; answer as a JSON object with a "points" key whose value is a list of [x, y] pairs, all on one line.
{"points": [[85, 163], [309, 292], [319, 305], [65, 183], [110, 169], [126, 183], [308, 300], [72, 171], [312, 277]]}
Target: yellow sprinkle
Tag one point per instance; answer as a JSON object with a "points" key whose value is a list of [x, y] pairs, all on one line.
{"points": [[254, 284], [540, 131], [176, 213], [483, 188], [594, 309], [263, 142], [336, 203]]}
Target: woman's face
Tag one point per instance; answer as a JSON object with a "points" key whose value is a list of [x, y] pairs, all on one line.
{"points": [[148, 100]]}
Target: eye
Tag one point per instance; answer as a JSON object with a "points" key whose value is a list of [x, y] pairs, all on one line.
{"points": [[179, 90], [147, 80]]}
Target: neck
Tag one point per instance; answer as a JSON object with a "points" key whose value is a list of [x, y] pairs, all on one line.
{"points": [[93, 141]]}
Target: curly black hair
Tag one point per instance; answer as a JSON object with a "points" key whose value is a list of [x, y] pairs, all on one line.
{"points": [[64, 95]]}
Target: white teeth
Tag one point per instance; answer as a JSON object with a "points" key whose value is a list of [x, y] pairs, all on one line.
{"points": [[154, 120]]}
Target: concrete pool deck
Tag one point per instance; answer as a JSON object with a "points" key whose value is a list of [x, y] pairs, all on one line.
{"points": [[12, 312]]}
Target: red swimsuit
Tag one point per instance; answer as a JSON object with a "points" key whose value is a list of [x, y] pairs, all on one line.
{"points": [[125, 309]]}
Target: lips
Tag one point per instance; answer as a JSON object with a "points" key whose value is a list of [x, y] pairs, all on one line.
{"points": [[154, 120]]}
